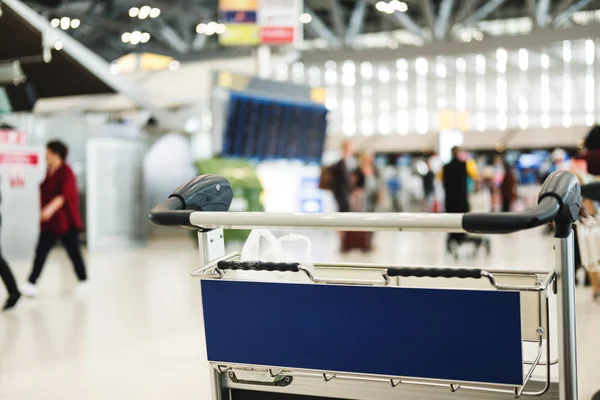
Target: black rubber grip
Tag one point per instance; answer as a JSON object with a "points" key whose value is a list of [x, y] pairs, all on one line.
{"points": [[258, 266], [406, 272]]}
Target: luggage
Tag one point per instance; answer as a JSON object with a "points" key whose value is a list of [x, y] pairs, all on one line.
{"points": [[357, 240]]}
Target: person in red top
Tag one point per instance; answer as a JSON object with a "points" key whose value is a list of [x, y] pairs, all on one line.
{"points": [[60, 217]]}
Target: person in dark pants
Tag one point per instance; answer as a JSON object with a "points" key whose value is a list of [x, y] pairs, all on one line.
{"points": [[454, 178], [60, 217], [508, 188], [9, 280], [341, 174]]}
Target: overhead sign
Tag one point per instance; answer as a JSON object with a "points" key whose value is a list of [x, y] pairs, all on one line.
{"points": [[19, 158], [270, 22], [13, 137], [238, 17]]}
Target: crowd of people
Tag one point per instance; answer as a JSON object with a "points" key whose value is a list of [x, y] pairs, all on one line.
{"points": [[60, 218], [358, 185]]}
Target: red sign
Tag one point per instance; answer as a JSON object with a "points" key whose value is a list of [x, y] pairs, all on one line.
{"points": [[12, 137], [276, 34], [17, 179], [19, 158]]}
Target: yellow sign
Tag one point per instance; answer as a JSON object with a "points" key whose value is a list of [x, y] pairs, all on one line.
{"points": [[240, 35], [454, 120], [227, 80], [318, 95], [238, 5], [154, 62]]}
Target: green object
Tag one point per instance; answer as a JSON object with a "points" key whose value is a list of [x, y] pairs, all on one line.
{"points": [[246, 187]]}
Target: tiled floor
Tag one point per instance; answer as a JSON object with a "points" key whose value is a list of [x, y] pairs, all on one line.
{"points": [[134, 334]]}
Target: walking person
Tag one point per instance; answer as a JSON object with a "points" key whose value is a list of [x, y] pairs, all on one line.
{"points": [[428, 189], [60, 217], [341, 174], [455, 177], [9, 280], [508, 188]]}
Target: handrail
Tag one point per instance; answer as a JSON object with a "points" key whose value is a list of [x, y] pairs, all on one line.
{"points": [[199, 205]]}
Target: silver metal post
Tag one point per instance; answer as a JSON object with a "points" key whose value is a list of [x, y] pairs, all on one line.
{"points": [[567, 349], [212, 246]]}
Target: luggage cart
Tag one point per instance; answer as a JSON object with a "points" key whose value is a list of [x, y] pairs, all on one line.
{"points": [[353, 331]]}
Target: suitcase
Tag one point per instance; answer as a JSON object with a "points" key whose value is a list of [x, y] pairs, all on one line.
{"points": [[357, 240]]}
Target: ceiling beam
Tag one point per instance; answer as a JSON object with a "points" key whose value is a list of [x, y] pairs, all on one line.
{"points": [[199, 42], [562, 6], [318, 28], [542, 13], [466, 7], [337, 17], [171, 37], [533, 41], [530, 8], [429, 13], [483, 12], [443, 19], [562, 18], [357, 20]]}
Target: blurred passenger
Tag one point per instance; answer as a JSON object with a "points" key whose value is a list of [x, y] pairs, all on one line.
{"points": [[341, 176], [455, 176], [365, 195], [508, 188], [393, 187], [367, 182], [428, 188], [60, 217], [9, 280]]}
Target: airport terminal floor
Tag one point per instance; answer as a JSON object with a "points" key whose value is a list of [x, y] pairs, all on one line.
{"points": [[97, 345]]}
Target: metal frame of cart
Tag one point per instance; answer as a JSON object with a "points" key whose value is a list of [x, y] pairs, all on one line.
{"points": [[229, 352]]}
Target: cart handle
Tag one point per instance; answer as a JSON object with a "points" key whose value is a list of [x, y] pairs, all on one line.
{"points": [[558, 201], [203, 193], [258, 266], [406, 272]]}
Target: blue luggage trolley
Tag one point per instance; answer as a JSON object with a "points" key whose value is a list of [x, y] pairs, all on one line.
{"points": [[353, 331]]}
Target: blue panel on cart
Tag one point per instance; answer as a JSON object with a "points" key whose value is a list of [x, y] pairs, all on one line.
{"points": [[455, 335]]}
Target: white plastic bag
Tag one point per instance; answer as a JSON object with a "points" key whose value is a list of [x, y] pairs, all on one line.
{"points": [[288, 248]]}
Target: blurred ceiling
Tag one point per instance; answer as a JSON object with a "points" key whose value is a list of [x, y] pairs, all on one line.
{"points": [[67, 76], [335, 23]]}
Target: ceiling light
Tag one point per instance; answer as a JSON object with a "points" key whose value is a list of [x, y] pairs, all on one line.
{"points": [[174, 65], [391, 43], [55, 22], [201, 28], [75, 23], [134, 12], [145, 37], [135, 37], [305, 18], [398, 5], [211, 28], [478, 35], [221, 28], [58, 45], [65, 23], [144, 12], [126, 37], [381, 6], [155, 12], [115, 68]]}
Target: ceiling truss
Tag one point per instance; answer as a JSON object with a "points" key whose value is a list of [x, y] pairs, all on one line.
{"points": [[340, 23]]}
